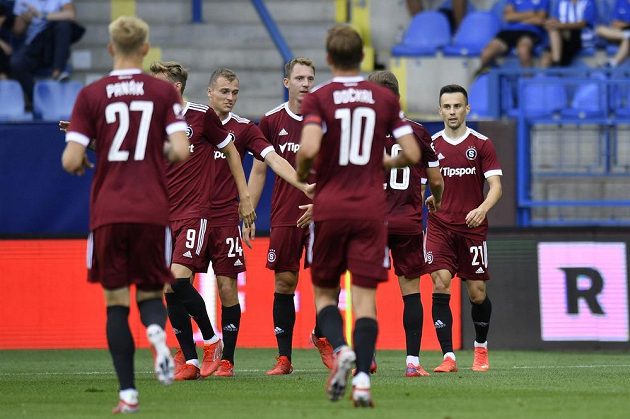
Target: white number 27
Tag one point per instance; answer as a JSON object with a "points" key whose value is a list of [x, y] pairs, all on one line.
{"points": [[119, 111]]}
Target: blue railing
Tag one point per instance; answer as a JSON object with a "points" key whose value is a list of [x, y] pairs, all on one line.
{"points": [[573, 150], [197, 11]]}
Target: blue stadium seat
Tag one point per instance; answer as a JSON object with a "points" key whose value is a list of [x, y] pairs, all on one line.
{"points": [[589, 99], [474, 33], [541, 97], [619, 97], [12, 102], [53, 100], [479, 98], [427, 32]]}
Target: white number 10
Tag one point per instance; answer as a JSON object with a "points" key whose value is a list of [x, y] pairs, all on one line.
{"points": [[355, 148]]}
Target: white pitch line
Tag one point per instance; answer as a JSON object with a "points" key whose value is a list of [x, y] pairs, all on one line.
{"points": [[536, 367], [20, 374]]}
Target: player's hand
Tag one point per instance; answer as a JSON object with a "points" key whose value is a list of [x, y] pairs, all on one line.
{"points": [[249, 233], [388, 162], [475, 217], [309, 190], [307, 217], [246, 212], [63, 126], [432, 204], [85, 164]]}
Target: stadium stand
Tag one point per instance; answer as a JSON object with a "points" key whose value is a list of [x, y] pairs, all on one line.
{"points": [[12, 102], [475, 31], [53, 100], [427, 33]]}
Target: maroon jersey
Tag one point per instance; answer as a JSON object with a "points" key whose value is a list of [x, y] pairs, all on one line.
{"points": [[190, 182], [404, 186], [355, 116], [223, 208], [129, 115], [465, 163], [283, 128]]}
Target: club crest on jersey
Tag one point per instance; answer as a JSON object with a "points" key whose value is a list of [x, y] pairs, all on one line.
{"points": [[471, 153], [428, 258], [271, 256], [189, 132]]}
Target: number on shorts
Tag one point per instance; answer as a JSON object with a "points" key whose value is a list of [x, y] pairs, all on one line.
{"points": [[190, 238], [355, 148], [235, 247], [119, 111], [480, 255], [394, 183]]}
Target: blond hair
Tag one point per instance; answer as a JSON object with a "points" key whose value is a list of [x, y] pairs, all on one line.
{"points": [[173, 71], [128, 34], [288, 67]]}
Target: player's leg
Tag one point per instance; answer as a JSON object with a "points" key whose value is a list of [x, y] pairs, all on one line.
{"points": [[230, 323], [364, 336], [121, 348], [284, 320], [481, 312], [153, 317]]}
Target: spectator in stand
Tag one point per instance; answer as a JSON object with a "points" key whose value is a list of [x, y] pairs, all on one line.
{"points": [[571, 23], [523, 30], [5, 42], [618, 31], [455, 10], [48, 28]]}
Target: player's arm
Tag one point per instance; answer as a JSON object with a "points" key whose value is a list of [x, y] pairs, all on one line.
{"points": [[255, 184], [410, 153], [74, 158], [310, 144], [436, 184], [475, 217], [245, 207], [177, 149], [283, 168]]}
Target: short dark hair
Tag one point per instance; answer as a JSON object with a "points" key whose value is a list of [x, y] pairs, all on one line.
{"points": [[453, 88], [387, 79], [344, 47], [224, 72]]}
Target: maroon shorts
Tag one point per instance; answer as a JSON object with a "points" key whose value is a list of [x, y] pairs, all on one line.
{"points": [[119, 255], [190, 242], [286, 246], [407, 254], [225, 250], [464, 255], [359, 246]]}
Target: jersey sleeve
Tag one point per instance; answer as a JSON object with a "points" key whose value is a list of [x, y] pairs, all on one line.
{"points": [[489, 162], [174, 121], [429, 158], [256, 142], [312, 111], [82, 128], [397, 124], [214, 131]]}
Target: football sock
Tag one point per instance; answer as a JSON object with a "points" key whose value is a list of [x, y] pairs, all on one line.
{"points": [[283, 322], [180, 320], [121, 346], [443, 321], [195, 305], [412, 322], [230, 322], [316, 330], [331, 325], [152, 312], [481, 319], [365, 332]]}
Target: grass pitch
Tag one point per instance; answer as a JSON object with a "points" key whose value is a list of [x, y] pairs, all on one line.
{"points": [[82, 384]]}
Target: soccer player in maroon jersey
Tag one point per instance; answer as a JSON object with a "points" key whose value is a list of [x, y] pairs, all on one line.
{"points": [[225, 238], [343, 139], [456, 235], [190, 184], [404, 225], [129, 116], [282, 126]]}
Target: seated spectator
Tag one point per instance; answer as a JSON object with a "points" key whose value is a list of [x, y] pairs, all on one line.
{"points": [[523, 30], [618, 32], [49, 28], [571, 23], [5, 42]]}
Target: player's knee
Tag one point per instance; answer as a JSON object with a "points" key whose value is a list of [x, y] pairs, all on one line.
{"points": [[228, 291], [285, 284]]}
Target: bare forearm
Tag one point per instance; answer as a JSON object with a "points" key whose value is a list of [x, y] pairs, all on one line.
{"points": [[236, 168], [256, 183], [493, 196], [283, 169], [303, 169]]}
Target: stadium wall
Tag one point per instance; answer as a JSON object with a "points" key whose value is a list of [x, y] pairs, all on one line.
{"points": [[47, 303], [557, 289]]}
